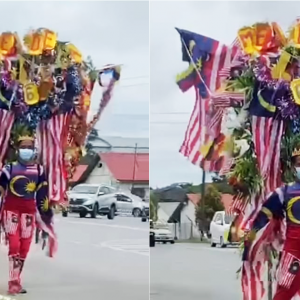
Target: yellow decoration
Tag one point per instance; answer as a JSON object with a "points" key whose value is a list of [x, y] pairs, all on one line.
{"points": [[295, 35], [204, 149], [50, 39], [74, 53], [39, 41], [278, 71], [25, 138], [31, 94], [23, 78], [257, 38], [295, 87], [30, 187], [296, 152], [45, 204], [289, 209], [279, 35], [8, 44]]}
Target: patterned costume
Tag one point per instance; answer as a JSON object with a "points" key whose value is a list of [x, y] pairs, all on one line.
{"points": [[283, 203], [24, 194]]}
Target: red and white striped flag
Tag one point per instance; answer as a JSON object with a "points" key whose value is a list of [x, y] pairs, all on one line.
{"points": [[6, 120], [203, 126], [51, 137], [267, 134]]}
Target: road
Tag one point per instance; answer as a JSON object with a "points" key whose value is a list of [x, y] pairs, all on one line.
{"points": [[194, 271], [97, 258]]}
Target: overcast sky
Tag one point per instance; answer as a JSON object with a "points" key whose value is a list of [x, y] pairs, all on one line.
{"points": [[218, 20], [111, 32]]}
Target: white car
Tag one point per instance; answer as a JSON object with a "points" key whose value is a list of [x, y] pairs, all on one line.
{"points": [[219, 229], [162, 233]]}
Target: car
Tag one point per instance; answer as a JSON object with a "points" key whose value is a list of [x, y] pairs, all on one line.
{"points": [[131, 204], [140, 207], [94, 199], [219, 229], [163, 233], [151, 235]]}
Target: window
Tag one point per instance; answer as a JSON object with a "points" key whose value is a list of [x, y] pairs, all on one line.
{"points": [[228, 219], [219, 218], [126, 199], [85, 189], [104, 190]]}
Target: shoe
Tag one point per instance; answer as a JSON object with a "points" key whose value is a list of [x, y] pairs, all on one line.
{"points": [[22, 291]]}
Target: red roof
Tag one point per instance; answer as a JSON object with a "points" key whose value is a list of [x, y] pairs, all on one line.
{"points": [[121, 165], [226, 199], [78, 172]]}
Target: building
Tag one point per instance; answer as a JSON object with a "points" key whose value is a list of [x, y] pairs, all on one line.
{"points": [[178, 208], [126, 171], [117, 161], [118, 144]]}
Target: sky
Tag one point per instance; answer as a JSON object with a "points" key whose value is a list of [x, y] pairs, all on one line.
{"points": [[111, 33], [170, 108]]}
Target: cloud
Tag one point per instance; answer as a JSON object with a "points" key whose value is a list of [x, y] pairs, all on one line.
{"points": [[111, 32], [219, 20]]}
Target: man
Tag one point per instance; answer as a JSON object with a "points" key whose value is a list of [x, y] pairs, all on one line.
{"points": [[283, 203], [24, 192]]}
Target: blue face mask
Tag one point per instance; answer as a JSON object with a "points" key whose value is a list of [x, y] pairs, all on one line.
{"points": [[26, 154], [298, 172]]}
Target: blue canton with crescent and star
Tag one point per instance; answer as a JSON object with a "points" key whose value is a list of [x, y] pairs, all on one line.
{"points": [[284, 202], [26, 182]]}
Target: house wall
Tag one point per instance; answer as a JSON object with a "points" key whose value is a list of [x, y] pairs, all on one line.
{"points": [[101, 175], [104, 176], [188, 228]]}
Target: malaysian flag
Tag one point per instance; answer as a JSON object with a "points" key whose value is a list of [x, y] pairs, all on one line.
{"points": [[208, 57], [52, 135], [6, 120], [11, 222]]}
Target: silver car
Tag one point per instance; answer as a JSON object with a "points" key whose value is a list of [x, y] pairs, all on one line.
{"points": [[93, 199]]}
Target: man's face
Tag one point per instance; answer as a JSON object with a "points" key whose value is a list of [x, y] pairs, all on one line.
{"points": [[26, 145], [297, 162]]}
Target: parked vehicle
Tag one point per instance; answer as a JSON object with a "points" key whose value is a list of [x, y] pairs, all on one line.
{"points": [[163, 233], [94, 199], [219, 229], [151, 235], [131, 204]]}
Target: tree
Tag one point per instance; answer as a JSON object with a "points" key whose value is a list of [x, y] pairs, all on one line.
{"points": [[153, 206], [212, 203]]}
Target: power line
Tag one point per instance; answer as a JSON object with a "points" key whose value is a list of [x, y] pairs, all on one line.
{"points": [[131, 85], [135, 77], [170, 113], [169, 123]]}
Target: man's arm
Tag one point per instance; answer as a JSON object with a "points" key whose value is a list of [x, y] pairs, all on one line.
{"points": [[272, 209], [42, 198], [4, 179]]}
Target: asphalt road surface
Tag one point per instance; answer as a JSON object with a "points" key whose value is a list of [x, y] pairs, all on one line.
{"points": [[97, 259], [193, 272]]}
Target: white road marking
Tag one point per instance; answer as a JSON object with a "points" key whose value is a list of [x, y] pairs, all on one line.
{"points": [[107, 225], [139, 247]]}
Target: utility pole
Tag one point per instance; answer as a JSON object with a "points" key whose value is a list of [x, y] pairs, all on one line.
{"points": [[202, 204], [134, 166]]}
